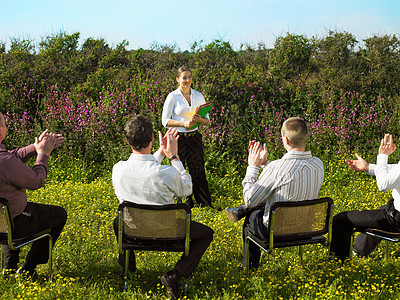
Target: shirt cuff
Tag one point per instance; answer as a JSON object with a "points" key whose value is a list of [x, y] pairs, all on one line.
{"points": [[177, 164], [165, 122], [382, 159], [264, 165], [252, 171], [371, 170], [157, 155], [42, 159]]}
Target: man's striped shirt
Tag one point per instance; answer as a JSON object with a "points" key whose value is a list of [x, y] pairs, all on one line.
{"points": [[296, 176]]}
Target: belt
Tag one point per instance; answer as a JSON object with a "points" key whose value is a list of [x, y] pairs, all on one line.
{"points": [[188, 134]]}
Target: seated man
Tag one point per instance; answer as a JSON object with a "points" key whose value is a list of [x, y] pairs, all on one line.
{"points": [[29, 218], [387, 217], [296, 176], [142, 179]]}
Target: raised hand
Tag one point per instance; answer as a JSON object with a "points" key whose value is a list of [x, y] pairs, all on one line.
{"points": [[358, 165], [47, 142], [387, 146], [44, 133], [264, 155], [263, 152], [169, 142], [255, 150]]}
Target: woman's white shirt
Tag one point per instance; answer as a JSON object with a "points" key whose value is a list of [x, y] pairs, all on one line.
{"points": [[177, 108]]}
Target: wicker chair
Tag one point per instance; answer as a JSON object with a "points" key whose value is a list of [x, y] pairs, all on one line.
{"points": [[6, 235], [295, 223], [153, 228]]}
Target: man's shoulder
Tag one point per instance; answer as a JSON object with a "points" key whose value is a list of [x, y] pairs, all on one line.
{"points": [[298, 158], [316, 160], [7, 157], [119, 164]]}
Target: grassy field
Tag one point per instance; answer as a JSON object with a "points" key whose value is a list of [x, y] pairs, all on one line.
{"points": [[85, 256]]}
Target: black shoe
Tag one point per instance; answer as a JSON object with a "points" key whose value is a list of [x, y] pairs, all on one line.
{"points": [[236, 213], [171, 282]]}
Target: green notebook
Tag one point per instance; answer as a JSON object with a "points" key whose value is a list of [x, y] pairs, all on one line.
{"points": [[202, 110]]}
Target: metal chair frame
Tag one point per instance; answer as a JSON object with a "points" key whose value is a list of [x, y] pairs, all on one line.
{"points": [[16, 244], [298, 239], [387, 236], [152, 243]]}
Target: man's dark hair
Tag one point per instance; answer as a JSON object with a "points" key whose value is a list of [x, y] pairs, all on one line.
{"points": [[138, 132]]}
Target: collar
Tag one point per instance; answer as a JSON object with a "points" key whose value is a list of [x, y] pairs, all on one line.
{"points": [[297, 155], [142, 157], [179, 92], [3, 148]]}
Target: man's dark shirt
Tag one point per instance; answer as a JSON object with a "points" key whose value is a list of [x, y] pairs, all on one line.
{"points": [[16, 176]]}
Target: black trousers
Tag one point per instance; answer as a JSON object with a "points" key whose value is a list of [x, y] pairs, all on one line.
{"points": [[254, 223], [36, 217], [200, 238], [343, 225], [190, 151]]}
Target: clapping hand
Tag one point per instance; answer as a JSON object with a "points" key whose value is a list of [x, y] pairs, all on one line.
{"points": [[387, 146], [47, 142], [257, 155], [169, 142]]}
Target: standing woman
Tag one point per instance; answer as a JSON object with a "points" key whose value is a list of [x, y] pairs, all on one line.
{"points": [[179, 111]]}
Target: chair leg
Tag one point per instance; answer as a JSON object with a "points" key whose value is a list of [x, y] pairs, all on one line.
{"points": [[246, 255], [352, 238], [126, 270], [2, 260], [387, 250], [300, 255], [50, 258]]}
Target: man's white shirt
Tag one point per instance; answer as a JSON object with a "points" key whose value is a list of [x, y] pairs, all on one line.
{"points": [[142, 179]]}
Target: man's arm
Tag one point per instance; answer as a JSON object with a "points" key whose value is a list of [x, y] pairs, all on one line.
{"points": [[255, 190], [181, 186], [160, 154], [24, 153], [21, 175], [387, 176]]}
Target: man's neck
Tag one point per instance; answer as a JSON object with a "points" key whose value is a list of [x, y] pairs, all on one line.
{"points": [[146, 150], [297, 149]]}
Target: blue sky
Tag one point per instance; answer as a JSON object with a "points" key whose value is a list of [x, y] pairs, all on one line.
{"points": [[143, 23]]}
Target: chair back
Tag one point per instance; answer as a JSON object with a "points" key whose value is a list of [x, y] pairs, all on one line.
{"points": [[300, 219], [149, 222], [6, 224]]}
